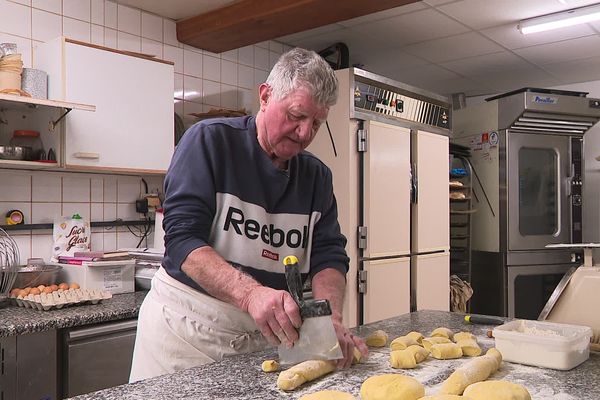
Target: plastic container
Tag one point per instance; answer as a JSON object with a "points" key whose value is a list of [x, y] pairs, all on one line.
{"points": [[543, 344], [111, 276]]}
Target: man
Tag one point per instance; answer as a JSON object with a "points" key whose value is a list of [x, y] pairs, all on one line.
{"points": [[240, 195]]}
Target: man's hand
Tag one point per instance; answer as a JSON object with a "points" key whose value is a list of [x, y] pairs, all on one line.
{"points": [[276, 314], [348, 342]]}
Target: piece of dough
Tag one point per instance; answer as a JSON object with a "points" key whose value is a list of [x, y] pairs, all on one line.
{"points": [[442, 332], [391, 387], [377, 339], [356, 356], [270, 366], [463, 335], [404, 359], [469, 347], [497, 390], [402, 342], [444, 397], [476, 370], [304, 372], [419, 352], [416, 336], [430, 341], [446, 351], [328, 395]]}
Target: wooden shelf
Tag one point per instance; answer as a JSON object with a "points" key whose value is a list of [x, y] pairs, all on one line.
{"points": [[15, 102]]}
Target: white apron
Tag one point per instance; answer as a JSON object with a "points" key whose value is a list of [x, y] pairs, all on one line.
{"points": [[179, 328]]}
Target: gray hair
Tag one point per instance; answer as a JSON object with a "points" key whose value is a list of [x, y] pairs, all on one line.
{"points": [[301, 68]]}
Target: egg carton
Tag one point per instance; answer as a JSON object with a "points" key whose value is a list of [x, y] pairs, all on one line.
{"points": [[61, 298]]}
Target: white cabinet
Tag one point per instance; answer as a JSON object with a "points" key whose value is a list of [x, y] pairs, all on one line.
{"points": [[132, 128]]}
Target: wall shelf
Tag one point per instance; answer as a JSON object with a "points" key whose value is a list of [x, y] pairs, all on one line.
{"points": [[100, 224]]}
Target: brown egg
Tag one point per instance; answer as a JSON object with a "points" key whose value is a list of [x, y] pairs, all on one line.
{"points": [[35, 291], [41, 287], [26, 290], [14, 292], [74, 285], [23, 293], [54, 287], [63, 286], [47, 289]]}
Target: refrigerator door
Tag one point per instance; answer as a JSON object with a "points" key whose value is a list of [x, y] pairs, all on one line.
{"points": [[431, 212], [388, 288], [432, 281], [386, 191]]}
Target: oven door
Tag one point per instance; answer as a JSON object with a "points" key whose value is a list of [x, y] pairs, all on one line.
{"points": [[530, 287], [539, 167]]}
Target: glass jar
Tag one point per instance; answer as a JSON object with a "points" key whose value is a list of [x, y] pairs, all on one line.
{"points": [[30, 139]]}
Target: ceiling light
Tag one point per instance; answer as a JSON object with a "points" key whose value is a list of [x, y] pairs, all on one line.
{"points": [[560, 19]]}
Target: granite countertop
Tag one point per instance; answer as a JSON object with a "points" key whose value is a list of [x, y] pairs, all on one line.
{"points": [[16, 320], [241, 377]]}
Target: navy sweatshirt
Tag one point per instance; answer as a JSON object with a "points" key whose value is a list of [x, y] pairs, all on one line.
{"points": [[223, 191]]}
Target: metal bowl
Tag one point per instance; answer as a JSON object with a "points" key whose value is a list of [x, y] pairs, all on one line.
{"points": [[35, 275], [16, 153]]}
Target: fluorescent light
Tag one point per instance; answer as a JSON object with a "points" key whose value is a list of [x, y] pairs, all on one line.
{"points": [[560, 19]]}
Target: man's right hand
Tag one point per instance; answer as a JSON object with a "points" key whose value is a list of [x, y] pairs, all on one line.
{"points": [[276, 314]]}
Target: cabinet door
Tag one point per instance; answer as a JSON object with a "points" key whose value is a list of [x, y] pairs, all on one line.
{"points": [[432, 275], [388, 289]]}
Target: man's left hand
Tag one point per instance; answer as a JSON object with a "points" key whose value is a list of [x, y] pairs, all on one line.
{"points": [[348, 342]]}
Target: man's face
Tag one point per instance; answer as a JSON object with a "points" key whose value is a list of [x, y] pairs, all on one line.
{"points": [[288, 125]]}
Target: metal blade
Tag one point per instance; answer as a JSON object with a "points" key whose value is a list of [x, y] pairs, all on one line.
{"points": [[317, 341]]}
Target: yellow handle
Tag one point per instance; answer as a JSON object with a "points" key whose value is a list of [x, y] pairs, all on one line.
{"points": [[289, 260]]}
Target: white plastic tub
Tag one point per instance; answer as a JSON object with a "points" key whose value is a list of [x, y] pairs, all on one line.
{"points": [[543, 344]]}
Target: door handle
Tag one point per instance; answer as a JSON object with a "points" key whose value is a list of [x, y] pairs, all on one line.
{"points": [[414, 181], [87, 156]]}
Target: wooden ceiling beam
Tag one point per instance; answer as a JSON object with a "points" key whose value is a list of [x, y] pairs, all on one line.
{"points": [[247, 22]]}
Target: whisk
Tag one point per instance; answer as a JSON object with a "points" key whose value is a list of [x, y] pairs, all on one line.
{"points": [[9, 261]]}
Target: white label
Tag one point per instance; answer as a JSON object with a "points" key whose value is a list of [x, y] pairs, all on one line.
{"points": [[113, 278]]}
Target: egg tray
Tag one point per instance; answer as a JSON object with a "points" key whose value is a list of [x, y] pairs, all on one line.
{"points": [[61, 298]]}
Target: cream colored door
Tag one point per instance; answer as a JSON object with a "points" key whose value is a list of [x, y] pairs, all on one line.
{"points": [[432, 281], [388, 289]]}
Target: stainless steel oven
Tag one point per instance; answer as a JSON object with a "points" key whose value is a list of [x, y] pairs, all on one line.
{"points": [[526, 153]]}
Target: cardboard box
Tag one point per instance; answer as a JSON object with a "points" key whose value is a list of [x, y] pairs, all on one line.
{"points": [[113, 276]]}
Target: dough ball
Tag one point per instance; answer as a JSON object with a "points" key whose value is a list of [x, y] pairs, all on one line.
{"points": [[419, 352], [356, 356], [415, 335], [444, 397], [463, 335], [446, 351], [391, 387], [377, 339], [442, 332], [469, 347], [270, 366], [496, 390], [430, 341], [403, 359], [402, 342], [328, 395]]}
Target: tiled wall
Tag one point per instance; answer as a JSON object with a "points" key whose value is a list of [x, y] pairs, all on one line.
{"points": [[203, 80]]}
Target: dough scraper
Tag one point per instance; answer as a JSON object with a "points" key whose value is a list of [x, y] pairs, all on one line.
{"points": [[317, 338]]}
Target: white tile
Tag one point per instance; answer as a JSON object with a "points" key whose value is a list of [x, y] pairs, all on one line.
{"points": [[78, 9], [110, 189], [110, 241], [126, 212], [275, 46], [23, 206], [231, 55], [75, 189], [76, 29], [19, 184], [126, 240], [152, 47], [261, 58], [564, 51], [178, 86], [15, 19], [110, 211], [23, 46], [320, 31], [24, 244], [45, 25], [110, 14], [188, 108], [98, 12], [97, 212], [585, 70], [24, 2], [264, 45], [175, 54], [70, 209], [41, 246], [129, 20], [110, 38], [454, 47], [170, 32], [192, 89], [97, 189], [246, 100], [128, 189], [96, 241], [382, 15], [211, 68], [246, 55], [192, 63], [212, 93], [245, 76], [229, 97], [128, 42], [152, 26], [229, 72], [98, 35], [488, 64], [54, 6], [46, 187], [260, 76], [273, 57], [43, 213]]}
